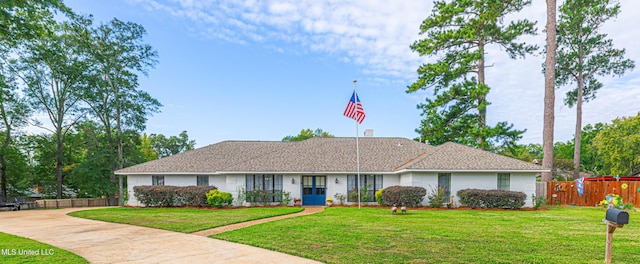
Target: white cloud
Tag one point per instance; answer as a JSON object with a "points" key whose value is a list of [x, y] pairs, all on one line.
{"points": [[376, 35]]}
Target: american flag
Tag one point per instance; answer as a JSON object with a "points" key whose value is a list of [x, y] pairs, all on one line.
{"points": [[354, 109]]}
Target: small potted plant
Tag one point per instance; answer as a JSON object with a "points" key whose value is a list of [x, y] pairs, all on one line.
{"points": [[329, 201]]}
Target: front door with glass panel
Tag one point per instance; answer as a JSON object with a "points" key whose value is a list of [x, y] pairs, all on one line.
{"points": [[314, 190]]}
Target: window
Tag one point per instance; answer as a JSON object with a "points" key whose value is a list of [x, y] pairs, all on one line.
{"points": [[157, 180], [203, 180], [503, 181], [369, 181], [308, 185], [444, 182], [271, 183]]}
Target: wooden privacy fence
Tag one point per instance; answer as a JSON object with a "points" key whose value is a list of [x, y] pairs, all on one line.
{"points": [[594, 191], [66, 203]]}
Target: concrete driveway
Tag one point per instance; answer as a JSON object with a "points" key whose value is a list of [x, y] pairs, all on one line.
{"points": [[101, 242]]}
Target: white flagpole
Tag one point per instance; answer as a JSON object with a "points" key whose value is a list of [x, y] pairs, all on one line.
{"points": [[357, 142]]}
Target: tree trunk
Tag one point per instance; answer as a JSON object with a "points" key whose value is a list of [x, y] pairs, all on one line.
{"points": [[112, 165], [59, 155], [3, 177], [120, 155], [549, 91], [482, 110], [578, 136], [3, 165]]}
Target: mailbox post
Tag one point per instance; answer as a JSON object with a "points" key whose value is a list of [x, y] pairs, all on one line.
{"points": [[614, 218]]}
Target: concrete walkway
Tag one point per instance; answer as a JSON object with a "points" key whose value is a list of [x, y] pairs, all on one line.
{"points": [[102, 242], [218, 230]]}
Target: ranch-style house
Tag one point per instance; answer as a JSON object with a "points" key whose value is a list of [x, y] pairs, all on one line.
{"points": [[318, 168]]}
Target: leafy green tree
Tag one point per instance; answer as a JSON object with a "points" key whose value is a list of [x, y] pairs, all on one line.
{"points": [[54, 71], [23, 20], [528, 152], [119, 54], [307, 134], [584, 54], [42, 150], [14, 114], [20, 21], [86, 158], [90, 174], [563, 150], [16, 167], [589, 160], [458, 33], [146, 148], [563, 160], [618, 146], [172, 145]]}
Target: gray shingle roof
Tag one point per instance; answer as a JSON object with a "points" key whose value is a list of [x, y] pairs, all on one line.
{"points": [[318, 155], [208, 159], [452, 156], [335, 155]]}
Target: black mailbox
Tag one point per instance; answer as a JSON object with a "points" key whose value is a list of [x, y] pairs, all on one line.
{"points": [[620, 217]]}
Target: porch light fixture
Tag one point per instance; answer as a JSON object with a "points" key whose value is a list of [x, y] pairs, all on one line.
{"points": [[293, 180], [336, 180]]}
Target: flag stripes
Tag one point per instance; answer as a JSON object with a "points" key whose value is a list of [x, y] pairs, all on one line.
{"points": [[354, 109]]}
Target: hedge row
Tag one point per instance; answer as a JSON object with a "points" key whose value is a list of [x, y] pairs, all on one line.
{"points": [[167, 196], [476, 198], [411, 196]]}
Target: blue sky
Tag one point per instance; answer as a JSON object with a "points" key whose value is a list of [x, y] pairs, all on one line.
{"points": [[262, 70]]}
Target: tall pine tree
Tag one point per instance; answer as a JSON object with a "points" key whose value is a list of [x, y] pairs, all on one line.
{"points": [[584, 54], [549, 91], [457, 34]]}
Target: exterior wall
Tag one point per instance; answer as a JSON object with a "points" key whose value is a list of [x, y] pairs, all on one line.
{"points": [[231, 184], [172, 180], [333, 187], [472, 180], [220, 182], [427, 180], [405, 179], [389, 180], [524, 182], [135, 180], [294, 189], [180, 180], [520, 181]]}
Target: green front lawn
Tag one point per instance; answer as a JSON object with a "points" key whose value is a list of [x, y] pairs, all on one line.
{"points": [[184, 220], [371, 235], [15, 249], [374, 235]]}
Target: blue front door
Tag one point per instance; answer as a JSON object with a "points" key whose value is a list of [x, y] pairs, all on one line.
{"points": [[314, 190]]}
